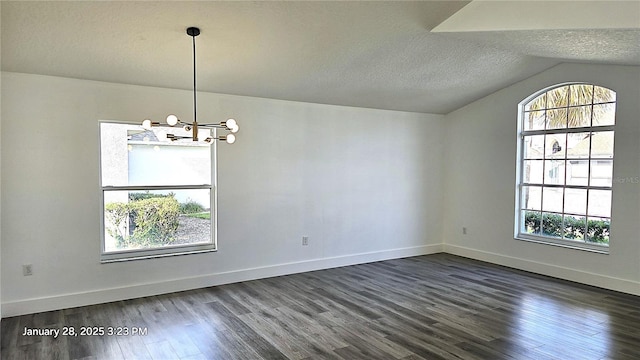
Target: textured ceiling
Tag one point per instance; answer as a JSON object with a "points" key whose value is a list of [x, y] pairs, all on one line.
{"points": [[367, 54], [607, 46]]}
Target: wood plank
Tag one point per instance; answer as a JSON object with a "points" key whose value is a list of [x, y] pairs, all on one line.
{"points": [[427, 307]]}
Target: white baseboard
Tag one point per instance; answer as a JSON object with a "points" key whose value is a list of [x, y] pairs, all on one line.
{"points": [[66, 301], [583, 277]]}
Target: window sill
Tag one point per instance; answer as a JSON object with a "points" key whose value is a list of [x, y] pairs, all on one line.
{"points": [[594, 248], [113, 257]]}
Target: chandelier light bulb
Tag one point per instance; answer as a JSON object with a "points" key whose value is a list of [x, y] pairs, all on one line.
{"points": [[172, 120], [230, 139], [231, 123], [146, 124], [187, 128]]}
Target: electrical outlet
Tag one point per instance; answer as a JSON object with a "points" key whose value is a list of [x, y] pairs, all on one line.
{"points": [[27, 270], [305, 240], [464, 230]]}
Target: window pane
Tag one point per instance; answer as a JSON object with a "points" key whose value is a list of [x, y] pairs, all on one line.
{"points": [[604, 114], [602, 95], [169, 164], [602, 144], [580, 94], [555, 147], [577, 172], [598, 230], [552, 199], [531, 222], [575, 201], [601, 173], [554, 172], [578, 145], [538, 103], [556, 119], [533, 171], [574, 227], [131, 155], [599, 203], [531, 197], [558, 97], [156, 219], [534, 120], [580, 116], [534, 147], [552, 225]]}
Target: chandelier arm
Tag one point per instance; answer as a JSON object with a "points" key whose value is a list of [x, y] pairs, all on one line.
{"points": [[212, 126], [176, 137]]}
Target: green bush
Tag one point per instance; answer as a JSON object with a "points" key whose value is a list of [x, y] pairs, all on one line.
{"points": [[191, 207], [148, 195], [598, 231], [532, 222], [552, 225], [116, 215], [156, 221], [153, 220]]}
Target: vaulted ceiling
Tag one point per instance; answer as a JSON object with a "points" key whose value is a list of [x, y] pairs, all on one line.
{"points": [[424, 56]]}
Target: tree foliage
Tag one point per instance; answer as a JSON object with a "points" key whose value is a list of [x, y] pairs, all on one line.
{"points": [[146, 222], [571, 105]]}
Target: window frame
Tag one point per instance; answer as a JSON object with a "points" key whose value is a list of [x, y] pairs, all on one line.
{"points": [[165, 251], [520, 172]]}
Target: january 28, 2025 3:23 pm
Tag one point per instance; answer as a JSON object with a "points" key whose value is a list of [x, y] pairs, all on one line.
{"points": [[86, 331]]}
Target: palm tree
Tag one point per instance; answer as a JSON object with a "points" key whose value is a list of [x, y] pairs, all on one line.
{"points": [[571, 105]]}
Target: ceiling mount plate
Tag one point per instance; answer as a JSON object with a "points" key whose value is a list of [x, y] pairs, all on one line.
{"points": [[193, 31]]}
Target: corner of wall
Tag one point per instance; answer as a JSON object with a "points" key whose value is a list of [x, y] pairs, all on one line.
{"points": [[480, 172], [0, 179], [445, 174]]}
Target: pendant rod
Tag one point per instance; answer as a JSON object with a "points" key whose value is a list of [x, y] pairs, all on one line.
{"points": [[193, 32], [194, 81]]}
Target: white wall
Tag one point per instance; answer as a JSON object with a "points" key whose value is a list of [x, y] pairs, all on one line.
{"points": [[363, 185], [0, 189], [480, 183], [0, 195]]}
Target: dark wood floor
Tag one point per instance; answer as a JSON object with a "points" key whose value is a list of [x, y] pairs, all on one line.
{"points": [[428, 307]]}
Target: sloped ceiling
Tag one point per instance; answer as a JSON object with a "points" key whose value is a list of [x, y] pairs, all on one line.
{"points": [[366, 54]]}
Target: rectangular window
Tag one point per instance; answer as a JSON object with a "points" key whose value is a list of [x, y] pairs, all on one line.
{"points": [[158, 196]]}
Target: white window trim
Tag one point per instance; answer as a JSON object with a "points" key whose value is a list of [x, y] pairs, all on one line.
{"points": [[166, 251], [519, 218]]}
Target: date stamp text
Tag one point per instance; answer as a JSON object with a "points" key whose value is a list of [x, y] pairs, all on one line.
{"points": [[86, 331]]}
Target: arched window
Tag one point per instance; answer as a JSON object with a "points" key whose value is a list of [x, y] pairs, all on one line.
{"points": [[565, 166]]}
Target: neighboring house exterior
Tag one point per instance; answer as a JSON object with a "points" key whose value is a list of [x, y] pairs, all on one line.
{"points": [[575, 166]]}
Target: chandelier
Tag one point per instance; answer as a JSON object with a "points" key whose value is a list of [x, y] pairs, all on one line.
{"points": [[172, 120]]}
